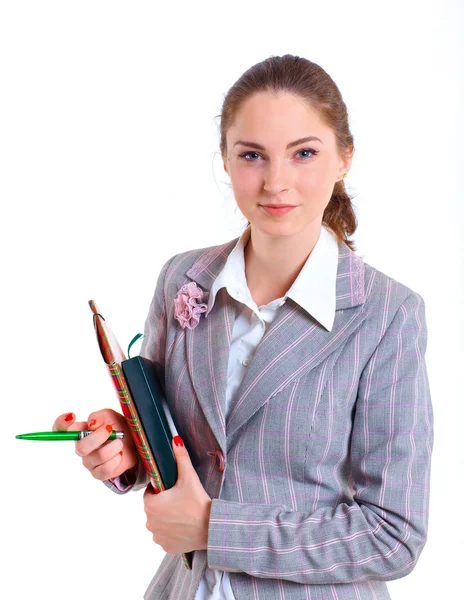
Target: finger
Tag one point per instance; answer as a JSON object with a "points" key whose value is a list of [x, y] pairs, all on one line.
{"points": [[67, 422], [105, 470], [103, 454], [103, 416], [93, 441]]}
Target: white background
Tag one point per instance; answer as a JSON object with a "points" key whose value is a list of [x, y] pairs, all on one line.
{"points": [[110, 165]]}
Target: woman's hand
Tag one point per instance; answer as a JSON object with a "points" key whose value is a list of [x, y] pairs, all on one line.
{"points": [[104, 459], [178, 517]]}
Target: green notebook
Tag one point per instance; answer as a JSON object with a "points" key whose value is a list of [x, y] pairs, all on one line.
{"points": [[157, 423]]}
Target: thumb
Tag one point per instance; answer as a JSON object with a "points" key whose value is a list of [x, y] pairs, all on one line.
{"points": [[184, 464]]}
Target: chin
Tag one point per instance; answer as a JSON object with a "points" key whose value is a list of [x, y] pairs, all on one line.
{"points": [[275, 228]]}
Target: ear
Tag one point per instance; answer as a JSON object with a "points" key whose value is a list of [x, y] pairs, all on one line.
{"points": [[346, 162]]}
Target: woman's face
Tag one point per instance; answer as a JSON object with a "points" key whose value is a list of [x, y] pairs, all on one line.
{"points": [[266, 167]]}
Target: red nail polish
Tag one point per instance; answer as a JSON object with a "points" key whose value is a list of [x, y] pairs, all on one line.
{"points": [[92, 422], [109, 428], [120, 453], [68, 417], [178, 441]]}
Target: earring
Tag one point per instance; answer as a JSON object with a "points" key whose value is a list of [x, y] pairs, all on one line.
{"points": [[345, 174]]}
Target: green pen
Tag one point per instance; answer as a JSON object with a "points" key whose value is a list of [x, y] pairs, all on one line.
{"points": [[64, 435]]}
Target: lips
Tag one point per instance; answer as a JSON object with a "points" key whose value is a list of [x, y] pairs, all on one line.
{"points": [[277, 209]]}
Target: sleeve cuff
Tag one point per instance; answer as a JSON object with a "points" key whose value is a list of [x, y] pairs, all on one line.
{"points": [[130, 480]]}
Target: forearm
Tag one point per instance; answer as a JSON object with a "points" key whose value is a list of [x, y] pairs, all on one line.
{"points": [[331, 545]]}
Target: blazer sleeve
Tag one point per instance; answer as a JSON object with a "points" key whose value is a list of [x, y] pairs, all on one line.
{"points": [[380, 535], [153, 347]]}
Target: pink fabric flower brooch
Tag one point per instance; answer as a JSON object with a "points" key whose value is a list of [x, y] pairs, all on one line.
{"points": [[186, 308]]}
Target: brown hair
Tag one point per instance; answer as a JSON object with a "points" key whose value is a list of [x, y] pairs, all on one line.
{"points": [[303, 78]]}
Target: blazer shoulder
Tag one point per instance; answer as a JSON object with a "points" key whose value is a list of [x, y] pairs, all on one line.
{"points": [[390, 301], [378, 284], [182, 262]]}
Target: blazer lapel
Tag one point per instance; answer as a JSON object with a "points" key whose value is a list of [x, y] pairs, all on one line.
{"points": [[293, 344], [208, 344]]}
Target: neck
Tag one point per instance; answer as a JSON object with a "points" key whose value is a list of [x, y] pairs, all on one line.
{"points": [[274, 262]]}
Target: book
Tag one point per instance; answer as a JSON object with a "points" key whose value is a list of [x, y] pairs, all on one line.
{"points": [[154, 415], [144, 407]]}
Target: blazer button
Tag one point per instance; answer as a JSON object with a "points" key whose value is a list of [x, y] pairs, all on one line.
{"points": [[219, 461]]}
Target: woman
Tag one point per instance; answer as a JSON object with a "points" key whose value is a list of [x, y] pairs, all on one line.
{"points": [[294, 371]]}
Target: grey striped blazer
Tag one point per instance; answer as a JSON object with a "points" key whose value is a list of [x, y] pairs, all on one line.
{"points": [[320, 474]]}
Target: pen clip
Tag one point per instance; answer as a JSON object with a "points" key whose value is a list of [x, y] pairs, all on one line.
{"points": [[96, 314]]}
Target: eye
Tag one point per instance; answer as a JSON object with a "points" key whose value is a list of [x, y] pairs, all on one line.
{"points": [[305, 159], [313, 152]]}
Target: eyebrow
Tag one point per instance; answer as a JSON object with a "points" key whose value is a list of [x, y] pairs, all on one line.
{"points": [[309, 138]]}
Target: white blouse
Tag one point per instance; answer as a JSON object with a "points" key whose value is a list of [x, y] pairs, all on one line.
{"points": [[314, 290]]}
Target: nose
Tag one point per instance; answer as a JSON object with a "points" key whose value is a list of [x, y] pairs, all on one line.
{"points": [[275, 181]]}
